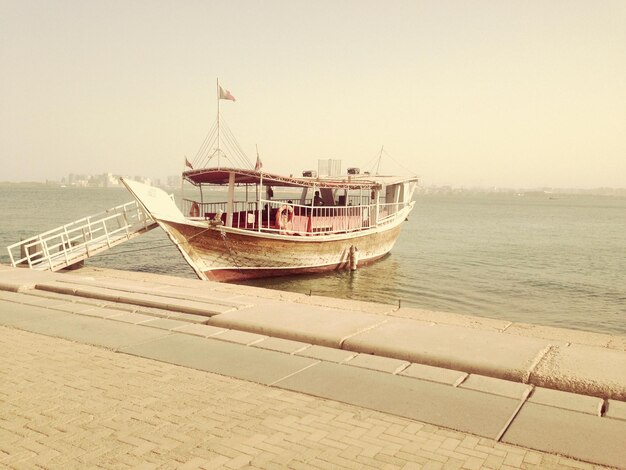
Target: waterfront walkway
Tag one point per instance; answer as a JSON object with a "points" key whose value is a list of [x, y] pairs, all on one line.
{"points": [[150, 378]]}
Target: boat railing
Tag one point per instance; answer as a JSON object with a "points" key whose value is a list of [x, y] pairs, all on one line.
{"points": [[283, 200], [209, 209], [388, 213], [205, 210], [292, 218], [66, 245], [296, 218], [358, 200]]}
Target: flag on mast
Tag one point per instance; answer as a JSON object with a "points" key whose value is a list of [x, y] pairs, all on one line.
{"points": [[225, 94], [188, 163], [258, 164]]}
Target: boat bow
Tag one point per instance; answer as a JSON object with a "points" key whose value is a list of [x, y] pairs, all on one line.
{"points": [[162, 208], [155, 201]]}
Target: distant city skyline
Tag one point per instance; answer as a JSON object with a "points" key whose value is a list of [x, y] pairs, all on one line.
{"points": [[466, 94], [109, 180]]}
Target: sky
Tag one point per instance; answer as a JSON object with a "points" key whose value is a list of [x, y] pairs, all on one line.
{"points": [[475, 93]]}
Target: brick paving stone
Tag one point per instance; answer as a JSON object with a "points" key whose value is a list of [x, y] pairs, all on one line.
{"points": [[532, 458], [450, 444], [453, 464], [432, 456], [431, 466], [472, 452], [453, 454], [514, 460], [489, 450], [473, 463], [68, 405], [493, 461], [414, 458]]}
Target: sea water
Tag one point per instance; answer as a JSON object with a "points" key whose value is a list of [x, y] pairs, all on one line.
{"points": [[535, 258]]}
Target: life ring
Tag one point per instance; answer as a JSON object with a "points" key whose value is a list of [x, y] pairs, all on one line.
{"points": [[194, 211], [284, 218]]}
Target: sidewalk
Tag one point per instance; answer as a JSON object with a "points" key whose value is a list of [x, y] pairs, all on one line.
{"points": [[210, 358], [68, 405]]}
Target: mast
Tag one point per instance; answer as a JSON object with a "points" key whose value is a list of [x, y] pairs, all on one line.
{"points": [[218, 122], [379, 156]]}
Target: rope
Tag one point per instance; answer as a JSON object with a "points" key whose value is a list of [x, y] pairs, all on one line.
{"points": [[238, 150], [134, 251], [209, 139], [232, 259], [207, 152], [374, 162], [155, 246], [398, 163]]}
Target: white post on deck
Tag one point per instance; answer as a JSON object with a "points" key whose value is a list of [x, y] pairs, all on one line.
{"points": [[258, 202], [374, 217], [231, 198]]}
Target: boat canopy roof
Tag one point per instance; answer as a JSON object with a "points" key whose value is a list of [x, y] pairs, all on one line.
{"points": [[220, 176]]}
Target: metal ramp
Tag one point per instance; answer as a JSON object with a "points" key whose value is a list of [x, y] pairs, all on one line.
{"points": [[73, 243]]}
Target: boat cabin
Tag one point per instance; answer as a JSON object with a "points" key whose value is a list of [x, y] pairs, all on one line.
{"points": [[300, 206]]}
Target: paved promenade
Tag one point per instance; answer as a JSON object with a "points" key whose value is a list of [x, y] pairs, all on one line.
{"points": [[173, 373], [68, 405]]}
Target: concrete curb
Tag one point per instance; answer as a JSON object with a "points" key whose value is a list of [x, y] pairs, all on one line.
{"points": [[482, 347]]}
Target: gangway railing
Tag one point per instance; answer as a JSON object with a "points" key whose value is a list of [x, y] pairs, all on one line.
{"points": [[72, 243]]}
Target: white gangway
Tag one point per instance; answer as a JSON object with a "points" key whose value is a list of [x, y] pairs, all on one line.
{"points": [[70, 244]]}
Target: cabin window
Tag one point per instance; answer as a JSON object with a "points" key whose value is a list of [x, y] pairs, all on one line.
{"points": [[391, 193]]}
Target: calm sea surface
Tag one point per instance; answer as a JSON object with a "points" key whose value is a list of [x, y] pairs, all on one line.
{"points": [[553, 261]]}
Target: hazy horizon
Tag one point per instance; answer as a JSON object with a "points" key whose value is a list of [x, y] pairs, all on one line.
{"points": [[479, 94], [422, 188]]}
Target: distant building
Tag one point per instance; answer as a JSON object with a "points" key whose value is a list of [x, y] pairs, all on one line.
{"points": [[103, 180], [77, 180], [173, 181], [143, 179], [111, 181], [328, 167]]}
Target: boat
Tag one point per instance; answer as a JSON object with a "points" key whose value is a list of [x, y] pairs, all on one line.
{"points": [[234, 228]]}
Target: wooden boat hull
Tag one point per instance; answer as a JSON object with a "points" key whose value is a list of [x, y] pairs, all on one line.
{"points": [[234, 275], [225, 254]]}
